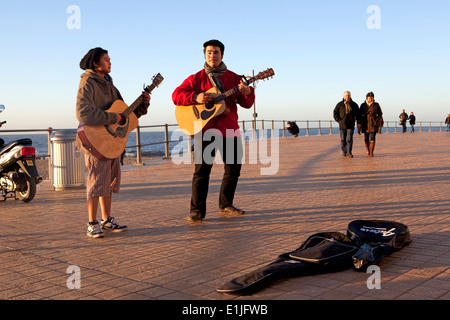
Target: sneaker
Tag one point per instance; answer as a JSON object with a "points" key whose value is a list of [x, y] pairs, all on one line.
{"points": [[111, 224], [94, 230]]}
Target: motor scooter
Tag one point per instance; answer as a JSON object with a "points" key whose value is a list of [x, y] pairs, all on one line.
{"points": [[18, 172]]}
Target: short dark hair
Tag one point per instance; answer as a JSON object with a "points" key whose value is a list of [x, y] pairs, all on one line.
{"points": [[214, 43], [370, 94]]}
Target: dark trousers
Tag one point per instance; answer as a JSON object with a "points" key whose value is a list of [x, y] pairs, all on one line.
{"points": [[346, 141], [231, 152]]}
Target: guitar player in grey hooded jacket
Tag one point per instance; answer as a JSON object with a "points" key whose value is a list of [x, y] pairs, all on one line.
{"points": [[96, 93]]}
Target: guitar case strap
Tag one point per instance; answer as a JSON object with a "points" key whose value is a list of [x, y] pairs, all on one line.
{"points": [[376, 239], [366, 242]]}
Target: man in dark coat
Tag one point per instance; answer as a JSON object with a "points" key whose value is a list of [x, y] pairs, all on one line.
{"points": [[346, 113], [403, 117]]}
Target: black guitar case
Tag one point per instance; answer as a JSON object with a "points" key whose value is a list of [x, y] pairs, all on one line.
{"points": [[376, 239], [366, 242], [320, 253]]}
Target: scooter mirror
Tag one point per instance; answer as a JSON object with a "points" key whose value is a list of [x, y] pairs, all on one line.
{"points": [[2, 107]]}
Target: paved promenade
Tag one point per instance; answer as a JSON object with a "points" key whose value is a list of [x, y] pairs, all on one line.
{"points": [[164, 257]]}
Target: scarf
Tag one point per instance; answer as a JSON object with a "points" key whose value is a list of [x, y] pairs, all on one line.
{"points": [[347, 107], [214, 74]]}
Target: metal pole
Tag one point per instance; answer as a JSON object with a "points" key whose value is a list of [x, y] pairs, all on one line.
{"points": [[255, 115], [138, 145], [262, 129], [166, 141], [50, 160]]}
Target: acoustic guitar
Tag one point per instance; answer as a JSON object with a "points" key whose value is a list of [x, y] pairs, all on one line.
{"points": [[199, 117], [108, 141]]}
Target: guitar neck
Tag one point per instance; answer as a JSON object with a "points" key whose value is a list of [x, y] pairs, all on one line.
{"points": [[228, 93], [137, 102]]}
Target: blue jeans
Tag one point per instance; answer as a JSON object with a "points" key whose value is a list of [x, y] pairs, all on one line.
{"points": [[346, 141]]}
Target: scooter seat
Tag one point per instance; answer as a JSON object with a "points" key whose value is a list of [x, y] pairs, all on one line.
{"points": [[23, 142]]}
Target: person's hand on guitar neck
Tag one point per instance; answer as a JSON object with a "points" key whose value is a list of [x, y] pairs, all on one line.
{"points": [[244, 89], [145, 100]]}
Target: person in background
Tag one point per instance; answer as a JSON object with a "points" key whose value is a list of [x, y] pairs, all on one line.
{"points": [[447, 122], [292, 128], [346, 113], [412, 121], [371, 119], [96, 94], [403, 117], [224, 133]]}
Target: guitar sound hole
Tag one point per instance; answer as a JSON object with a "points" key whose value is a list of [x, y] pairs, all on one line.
{"points": [[209, 105], [123, 121]]}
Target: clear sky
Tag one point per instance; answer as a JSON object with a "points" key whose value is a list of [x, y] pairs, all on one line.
{"points": [[398, 49]]}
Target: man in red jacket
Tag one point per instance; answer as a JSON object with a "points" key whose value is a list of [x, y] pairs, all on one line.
{"points": [[226, 129]]}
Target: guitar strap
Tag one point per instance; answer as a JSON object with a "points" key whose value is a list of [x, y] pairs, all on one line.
{"points": [[217, 83]]}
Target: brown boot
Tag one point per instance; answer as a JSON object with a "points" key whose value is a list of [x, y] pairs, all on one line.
{"points": [[367, 147], [372, 147]]}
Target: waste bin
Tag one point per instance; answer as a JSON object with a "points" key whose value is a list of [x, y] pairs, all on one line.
{"points": [[67, 161]]}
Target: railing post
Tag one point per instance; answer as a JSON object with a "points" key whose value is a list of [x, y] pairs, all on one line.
{"points": [[166, 141], [50, 155], [307, 128], [320, 133], [440, 126], [284, 129], [331, 127], [429, 130], [138, 145], [387, 126], [262, 129], [273, 129], [420, 128]]}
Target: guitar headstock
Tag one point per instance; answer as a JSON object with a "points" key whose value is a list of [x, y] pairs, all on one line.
{"points": [[157, 79], [265, 74]]}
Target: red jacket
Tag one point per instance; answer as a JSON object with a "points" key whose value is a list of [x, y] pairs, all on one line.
{"points": [[199, 82]]}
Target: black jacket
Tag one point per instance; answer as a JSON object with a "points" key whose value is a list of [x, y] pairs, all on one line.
{"points": [[346, 121]]}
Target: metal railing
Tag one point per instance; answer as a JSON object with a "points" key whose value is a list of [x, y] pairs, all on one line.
{"points": [[309, 127]]}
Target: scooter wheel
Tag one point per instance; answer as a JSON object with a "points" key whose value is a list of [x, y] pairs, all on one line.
{"points": [[30, 191]]}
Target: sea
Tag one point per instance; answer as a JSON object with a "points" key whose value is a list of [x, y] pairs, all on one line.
{"points": [[153, 144]]}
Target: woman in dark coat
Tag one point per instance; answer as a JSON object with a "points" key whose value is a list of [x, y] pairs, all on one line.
{"points": [[371, 120]]}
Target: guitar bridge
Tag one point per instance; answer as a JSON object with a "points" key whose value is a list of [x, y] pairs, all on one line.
{"points": [[196, 113]]}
